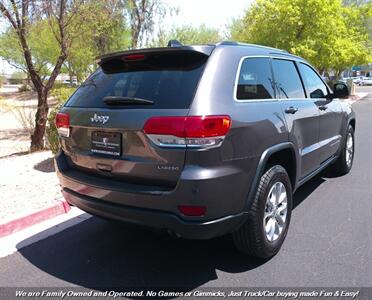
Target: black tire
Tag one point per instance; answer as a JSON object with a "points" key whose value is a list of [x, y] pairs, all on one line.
{"points": [[341, 166], [251, 237]]}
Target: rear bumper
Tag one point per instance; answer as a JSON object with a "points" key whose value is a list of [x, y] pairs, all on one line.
{"points": [[155, 219], [222, 191]]}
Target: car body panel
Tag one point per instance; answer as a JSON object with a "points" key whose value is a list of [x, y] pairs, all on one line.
{"points": [[224, 179], [330, 127], [138, 162]]}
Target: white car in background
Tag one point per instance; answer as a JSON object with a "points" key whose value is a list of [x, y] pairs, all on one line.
{"points": [[361, 80], [366, 81], [70, 83], [357, 80]]}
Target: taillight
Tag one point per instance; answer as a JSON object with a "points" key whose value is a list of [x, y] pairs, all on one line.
{"points": [[190, 131], [63, 124]]}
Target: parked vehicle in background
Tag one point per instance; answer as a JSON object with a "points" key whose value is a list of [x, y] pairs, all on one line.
{"points": [[202, 141], [358, 80], [366, 81], [345, 79], [69, 82]]}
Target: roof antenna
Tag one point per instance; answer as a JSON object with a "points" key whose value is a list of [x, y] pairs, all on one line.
{"points": [[174, 43]]}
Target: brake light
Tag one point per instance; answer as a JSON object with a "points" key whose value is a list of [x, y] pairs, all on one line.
{"points": [[192, 211], [134, 57], [190, 131], [63, 124]]}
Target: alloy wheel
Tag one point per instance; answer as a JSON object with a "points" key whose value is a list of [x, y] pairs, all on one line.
{"points": [[275, 215]]}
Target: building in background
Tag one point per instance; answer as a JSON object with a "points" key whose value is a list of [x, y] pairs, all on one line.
{"points": [[365, 70]]}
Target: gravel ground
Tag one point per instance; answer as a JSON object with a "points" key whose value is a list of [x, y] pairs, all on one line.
{"points": [[13, 138], [27, 183]]}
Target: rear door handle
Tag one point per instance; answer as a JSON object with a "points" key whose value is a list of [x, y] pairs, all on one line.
{"points": [[323, 107], [291, 110]]}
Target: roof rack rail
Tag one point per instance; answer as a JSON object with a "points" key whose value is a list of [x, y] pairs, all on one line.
{"points": [[233, 43], [174, 43], [229, 43]]}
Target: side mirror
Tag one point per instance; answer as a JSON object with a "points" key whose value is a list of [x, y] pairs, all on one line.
{"points": [[340, 90], [318, 93]]}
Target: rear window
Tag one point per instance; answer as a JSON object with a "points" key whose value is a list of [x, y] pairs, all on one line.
{"points": [[255, 79], [169, 80]]}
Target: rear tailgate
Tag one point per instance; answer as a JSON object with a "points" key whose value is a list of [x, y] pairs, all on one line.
{"points": [[108, 140]]}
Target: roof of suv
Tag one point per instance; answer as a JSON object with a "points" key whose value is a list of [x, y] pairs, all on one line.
{"points": [[204, 49], [268, 50]]}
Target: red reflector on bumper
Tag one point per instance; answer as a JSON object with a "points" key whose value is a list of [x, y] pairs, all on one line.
{"points": [[192, 211]]}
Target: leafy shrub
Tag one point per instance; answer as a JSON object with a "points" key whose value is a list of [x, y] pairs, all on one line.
{"points": [[61, 94], [24, 88], [25, 116], [51, 131], [17, 78]]}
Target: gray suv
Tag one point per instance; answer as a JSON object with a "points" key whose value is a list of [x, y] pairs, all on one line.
{"points": [[202, 141]]}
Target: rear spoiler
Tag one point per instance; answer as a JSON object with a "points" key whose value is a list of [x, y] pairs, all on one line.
{"points": [[204, 49]]}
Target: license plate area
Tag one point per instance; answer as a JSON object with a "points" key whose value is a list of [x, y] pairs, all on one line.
{"points": [[106, 143]]}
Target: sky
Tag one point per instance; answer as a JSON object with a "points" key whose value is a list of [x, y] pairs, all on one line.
{"points": [[212, 13]]}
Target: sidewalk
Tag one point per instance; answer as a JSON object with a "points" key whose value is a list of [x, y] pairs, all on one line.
{"points": [[30, 192], [29, 188], [356, 97]]}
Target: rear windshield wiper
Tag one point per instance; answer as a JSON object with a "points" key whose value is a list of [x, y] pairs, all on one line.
{"points": [[119, 100]]}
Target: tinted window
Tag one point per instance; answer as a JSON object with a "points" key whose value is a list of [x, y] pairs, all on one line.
{"points": [[287, 79], [255, 79], [315, 88], [167, 82]]}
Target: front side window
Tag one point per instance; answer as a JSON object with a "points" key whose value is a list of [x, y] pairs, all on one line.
{"points": [[315, 88], [255, 80], [287, 79]]}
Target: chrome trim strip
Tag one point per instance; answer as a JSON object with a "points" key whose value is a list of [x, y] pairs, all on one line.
{"points": [[294, 59], [154, 140], [335, 139]]}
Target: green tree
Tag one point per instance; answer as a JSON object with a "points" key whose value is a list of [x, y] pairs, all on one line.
{"points": [[20, 16], [142, 16], [188, 35], [46, 37], [44, 50], [103, 30], [331, 36]]}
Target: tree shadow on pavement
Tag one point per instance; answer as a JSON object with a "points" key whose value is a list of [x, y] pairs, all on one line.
{"points": [[104, 255]]}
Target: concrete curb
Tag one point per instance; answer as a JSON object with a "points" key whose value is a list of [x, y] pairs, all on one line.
{"points": [[356, 97], [61, 207]]}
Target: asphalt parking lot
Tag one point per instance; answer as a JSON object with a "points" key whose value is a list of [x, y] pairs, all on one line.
{"points": [[329, 243]]}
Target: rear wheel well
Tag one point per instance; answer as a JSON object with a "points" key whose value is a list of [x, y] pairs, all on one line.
{"points": [[287, 159]]}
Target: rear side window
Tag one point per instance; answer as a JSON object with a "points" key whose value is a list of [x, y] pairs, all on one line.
{"points": [[287, 79], [255, 79], [315, 88], [168, 79]]}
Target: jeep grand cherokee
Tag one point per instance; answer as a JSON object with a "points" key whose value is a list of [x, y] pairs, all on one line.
{"points": [[202, 141]]}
